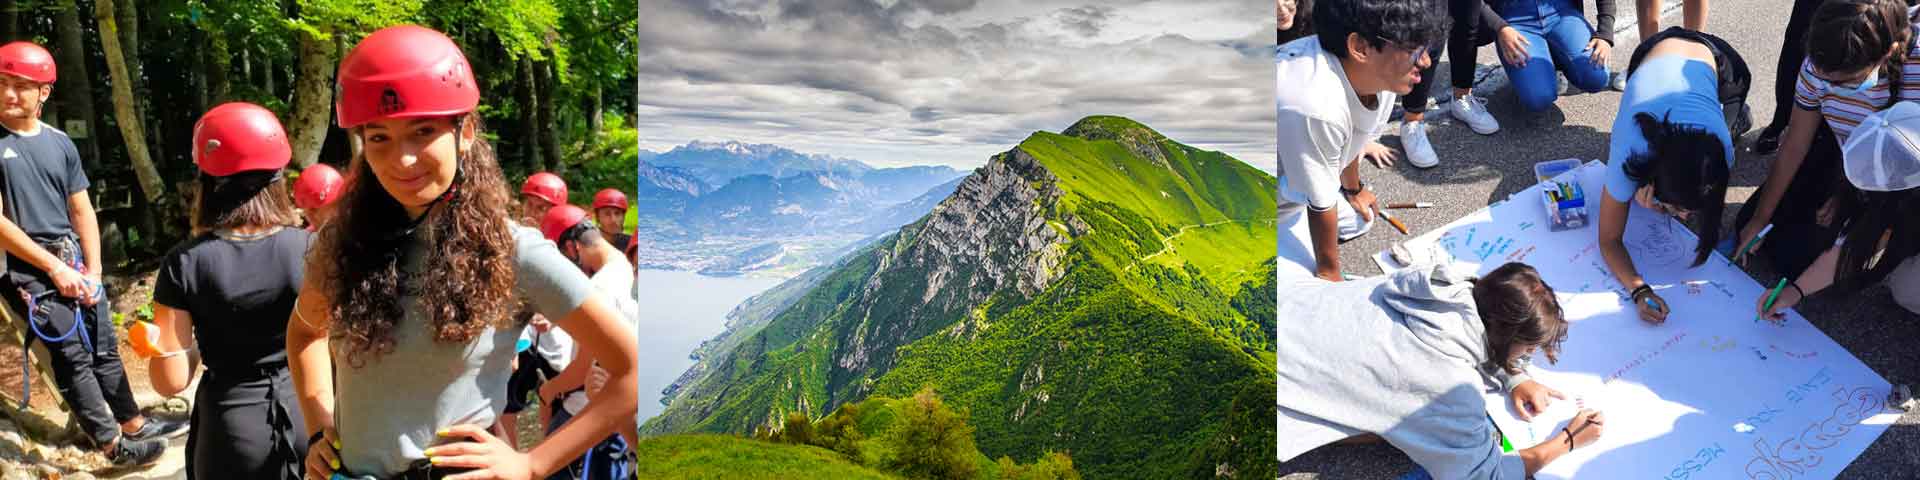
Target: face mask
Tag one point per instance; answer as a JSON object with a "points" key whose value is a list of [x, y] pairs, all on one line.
{"points": [[1864, 85]]}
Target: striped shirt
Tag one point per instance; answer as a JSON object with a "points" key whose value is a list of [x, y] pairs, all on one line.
{"points": [[1845, 111]]}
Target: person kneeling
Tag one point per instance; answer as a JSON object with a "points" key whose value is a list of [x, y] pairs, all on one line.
{"points": [[1447, 339]]}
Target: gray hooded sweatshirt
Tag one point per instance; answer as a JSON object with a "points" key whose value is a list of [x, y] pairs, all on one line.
{"points": [[1400, 356]]}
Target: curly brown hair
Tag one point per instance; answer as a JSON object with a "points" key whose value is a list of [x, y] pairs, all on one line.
{"points": [[468, 284]]}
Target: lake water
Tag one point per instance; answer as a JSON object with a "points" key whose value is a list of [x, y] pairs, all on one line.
{"points": [[680, 309]]}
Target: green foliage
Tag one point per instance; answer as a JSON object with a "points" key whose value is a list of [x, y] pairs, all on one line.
{"points": [[796, 430], [840, 431], [1052, 466], [324, 18], [721, 456], [611, 160], [1244, 449], [931, 441]]}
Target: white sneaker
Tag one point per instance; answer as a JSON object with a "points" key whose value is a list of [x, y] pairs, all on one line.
{"points": [[1413, 141], [1473, 110]]}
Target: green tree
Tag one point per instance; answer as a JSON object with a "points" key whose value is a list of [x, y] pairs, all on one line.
{"points": [[840, 431], [930, 441], [797, 429]]}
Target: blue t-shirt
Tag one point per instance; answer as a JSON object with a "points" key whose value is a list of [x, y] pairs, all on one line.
{"points": [[1673, 88]]}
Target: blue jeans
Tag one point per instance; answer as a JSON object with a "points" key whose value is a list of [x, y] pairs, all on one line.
{"points": [[1557, 36], [607, 460]]}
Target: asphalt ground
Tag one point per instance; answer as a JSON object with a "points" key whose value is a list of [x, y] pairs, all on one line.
{"points": [[1477, 170]]}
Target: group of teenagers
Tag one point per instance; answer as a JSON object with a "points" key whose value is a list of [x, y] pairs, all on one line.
{"points": [[385, 335], [1429, 341]]}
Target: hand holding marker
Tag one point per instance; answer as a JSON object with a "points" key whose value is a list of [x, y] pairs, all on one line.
{"points": [[1771, 296]]}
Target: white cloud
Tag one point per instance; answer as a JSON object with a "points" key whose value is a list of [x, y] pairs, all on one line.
{"points": [[953, 81]]}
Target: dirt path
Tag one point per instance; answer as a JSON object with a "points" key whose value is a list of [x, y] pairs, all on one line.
{"points": [[1166, 243]]}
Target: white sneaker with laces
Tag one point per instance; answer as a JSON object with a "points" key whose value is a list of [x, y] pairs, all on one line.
{"points": [[1473, 110], [1413, 140]]}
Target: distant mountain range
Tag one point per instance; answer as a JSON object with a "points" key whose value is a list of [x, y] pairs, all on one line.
{"points": [[736, 189]]}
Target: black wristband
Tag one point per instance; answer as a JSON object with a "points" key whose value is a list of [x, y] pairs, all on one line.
{"points": [[1796, 288], [1643, 289], [1351, 192], [1569, 438], [315, 439]]}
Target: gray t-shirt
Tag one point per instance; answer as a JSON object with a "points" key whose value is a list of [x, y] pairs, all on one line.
{"points": [[37, 174], [387, 410]]}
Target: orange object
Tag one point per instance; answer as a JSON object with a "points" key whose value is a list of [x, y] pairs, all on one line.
{"points": [[1395, 221], [144, 337]]}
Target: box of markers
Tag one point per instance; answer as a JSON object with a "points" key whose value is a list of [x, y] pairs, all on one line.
{"points": [[1566, 203]]}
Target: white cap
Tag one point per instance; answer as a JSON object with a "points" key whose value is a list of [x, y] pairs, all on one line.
{"points": [[1883, 155]]}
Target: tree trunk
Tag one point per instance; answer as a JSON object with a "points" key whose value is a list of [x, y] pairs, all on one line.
{"points": [[594, 124], [219, 62], [548, 132], [127, 17], [199, 71], [123, 106], [529, 116], [272, 74], [77, 90], [312, 98], [10, 20]]}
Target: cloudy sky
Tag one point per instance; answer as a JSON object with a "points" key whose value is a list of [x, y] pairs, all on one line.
{"points": [[908, 82]]}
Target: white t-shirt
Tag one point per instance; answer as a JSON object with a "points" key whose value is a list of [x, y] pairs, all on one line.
{"points": [[1320, 132], [614, 281]]}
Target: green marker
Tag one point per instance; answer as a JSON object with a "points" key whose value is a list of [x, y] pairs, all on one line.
{"points": [[1505, 446], [1771, 296]]}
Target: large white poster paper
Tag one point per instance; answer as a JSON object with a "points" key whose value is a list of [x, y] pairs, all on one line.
{"points": [[1712, 393]]}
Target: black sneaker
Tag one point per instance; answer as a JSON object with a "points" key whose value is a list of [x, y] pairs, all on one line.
{"points": [[1767, 142], [157, 428], [137, 453]]}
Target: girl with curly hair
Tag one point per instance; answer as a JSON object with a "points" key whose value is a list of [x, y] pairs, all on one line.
{"points": [[401, 341]]}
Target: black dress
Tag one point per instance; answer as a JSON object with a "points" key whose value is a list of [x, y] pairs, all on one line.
{"points": [[240, 292]]}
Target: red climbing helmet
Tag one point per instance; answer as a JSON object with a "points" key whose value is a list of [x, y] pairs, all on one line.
{"points": [[547, 187], [404, 71], [317, 187], [27, 60], [559, 219], [239, 137], [610, 198]]}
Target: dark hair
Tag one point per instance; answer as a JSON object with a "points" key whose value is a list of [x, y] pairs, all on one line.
{"points": [[1379, 22], [1518, 309], [1855, 33], [1868, 216], [584, 233], [468, 285], [1687, 166], [245, 199], [1302, 22]]}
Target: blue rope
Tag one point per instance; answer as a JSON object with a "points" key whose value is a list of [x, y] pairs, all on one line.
{"points": [[26, 350]]}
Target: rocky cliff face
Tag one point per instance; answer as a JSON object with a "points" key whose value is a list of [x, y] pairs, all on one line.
{"points": [[992, 235]]}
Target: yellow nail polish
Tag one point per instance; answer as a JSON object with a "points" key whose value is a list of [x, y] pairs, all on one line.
{"points": [[336, 444], [432, 460], [441, 432], [334, 463]]}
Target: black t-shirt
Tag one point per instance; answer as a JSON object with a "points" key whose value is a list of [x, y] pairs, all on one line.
{"points": [[240, 294], [37, 174], [620, 241]]}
